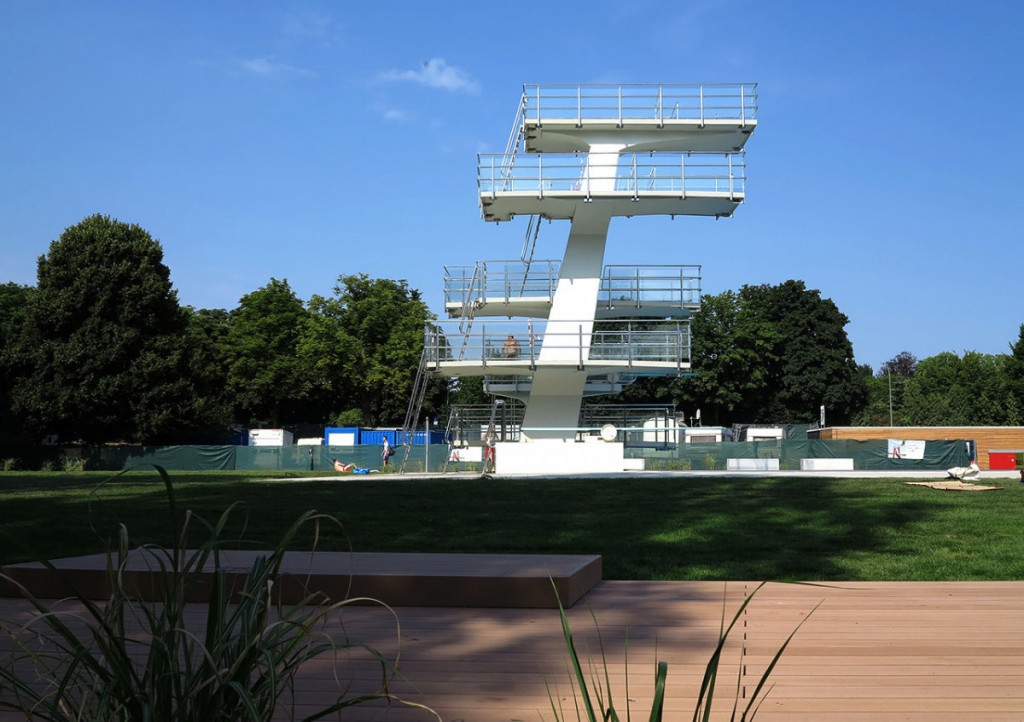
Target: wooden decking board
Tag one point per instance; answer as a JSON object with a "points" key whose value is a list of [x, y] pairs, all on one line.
{"points": [[904, 651]]}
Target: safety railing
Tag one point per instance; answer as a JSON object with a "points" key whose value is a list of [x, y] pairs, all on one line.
{"points": [[673, 286], [501, 280], [636, 173], [661, 102], [640, 286], [500, 343]]}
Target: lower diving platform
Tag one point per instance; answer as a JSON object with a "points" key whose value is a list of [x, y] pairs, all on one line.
{"points": [[519, 347]]}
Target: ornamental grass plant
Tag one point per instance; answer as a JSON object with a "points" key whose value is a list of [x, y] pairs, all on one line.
{"points": [[127, 658], [595, 701]]}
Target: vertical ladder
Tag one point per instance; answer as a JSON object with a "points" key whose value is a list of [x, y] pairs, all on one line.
{"points": [[419, 392]]}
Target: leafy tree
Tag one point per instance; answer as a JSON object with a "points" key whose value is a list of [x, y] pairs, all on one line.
{"points": [[13, 305], [948, 390], [207, 343], [100, 356], [811, 362], [903, 365], [264, 376], [1014, 370], [764, 355], [362, 347]]}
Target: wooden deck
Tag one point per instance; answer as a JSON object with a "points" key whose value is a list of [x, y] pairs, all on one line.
{"points": [[871, 651]]}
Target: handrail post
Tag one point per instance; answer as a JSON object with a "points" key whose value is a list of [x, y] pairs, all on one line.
{"points": [[702, 106], [588, 176], [579, 106], [743, 107], [529, 331], [637, 275], [661, 109], [540, 175], [483, 344], [629, 344], [620, 106], [581, 344], [636, 182], [682, 174], [730, 176]]}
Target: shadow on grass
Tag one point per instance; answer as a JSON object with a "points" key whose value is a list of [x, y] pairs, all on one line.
{"points": [[645, 528]]}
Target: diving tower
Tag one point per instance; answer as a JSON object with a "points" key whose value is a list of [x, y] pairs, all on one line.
{"points": [[548, 333]]}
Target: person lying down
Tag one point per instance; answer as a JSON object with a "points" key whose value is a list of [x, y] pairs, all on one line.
{"points": [[352, 468]]}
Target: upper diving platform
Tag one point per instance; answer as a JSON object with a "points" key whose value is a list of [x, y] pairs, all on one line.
{"points": [[656, 117], [520, 288], [668, 149], [656, 183]]}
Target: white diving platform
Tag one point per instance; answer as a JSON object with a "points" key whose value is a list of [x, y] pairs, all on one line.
{"points": [[588, 153]]}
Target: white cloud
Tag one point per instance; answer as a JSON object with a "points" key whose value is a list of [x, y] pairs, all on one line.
{"points": [[396, 116], [269, 68], [436, 73]]}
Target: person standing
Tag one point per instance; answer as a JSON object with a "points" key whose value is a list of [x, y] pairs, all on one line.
{"points": [[386, 451]]}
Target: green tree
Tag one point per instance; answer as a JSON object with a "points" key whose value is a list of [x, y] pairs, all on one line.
{"points": [[768, 354], [264, 376], [811, 361], [207, 343], [13, 305], [1014, 370], [100, 356], [949, 390], [361, 349]]}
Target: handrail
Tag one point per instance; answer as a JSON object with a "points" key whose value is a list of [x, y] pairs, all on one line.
{"points": [[664, 172], [519, 340], [638, 286], [662, 101]]}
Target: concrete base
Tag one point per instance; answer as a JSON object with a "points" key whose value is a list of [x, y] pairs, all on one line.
{"points": [[399, 580], [826, 464], [752, 464], [561, 456]]}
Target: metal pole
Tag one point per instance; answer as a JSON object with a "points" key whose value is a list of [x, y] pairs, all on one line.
{"points": [[426, 443], [889, 374]]}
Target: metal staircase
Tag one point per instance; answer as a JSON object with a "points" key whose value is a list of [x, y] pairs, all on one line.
{"points": [[419, 392]]}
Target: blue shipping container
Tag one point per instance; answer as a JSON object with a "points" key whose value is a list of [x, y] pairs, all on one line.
{"points": [[375, 437]]}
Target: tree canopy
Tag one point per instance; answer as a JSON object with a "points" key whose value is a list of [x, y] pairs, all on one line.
{"points": [[363, 346], [99, 356], [767, 354], [265, 380]]}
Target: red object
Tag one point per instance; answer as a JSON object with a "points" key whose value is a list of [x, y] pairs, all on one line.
{"points": [[1002, 460]]}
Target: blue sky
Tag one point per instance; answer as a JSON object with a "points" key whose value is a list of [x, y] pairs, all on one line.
{"points": [[305, 140]]}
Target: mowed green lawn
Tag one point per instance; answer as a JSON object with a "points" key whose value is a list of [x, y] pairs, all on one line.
{"points": [[811, 529]]}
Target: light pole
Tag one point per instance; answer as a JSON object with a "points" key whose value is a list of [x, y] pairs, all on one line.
{"points": [[888, 373]]}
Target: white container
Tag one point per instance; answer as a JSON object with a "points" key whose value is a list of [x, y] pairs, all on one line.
{"points": [[270, 437]]}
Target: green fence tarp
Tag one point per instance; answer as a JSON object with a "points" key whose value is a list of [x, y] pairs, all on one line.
{"points": [[871, 455], [867, 455]]}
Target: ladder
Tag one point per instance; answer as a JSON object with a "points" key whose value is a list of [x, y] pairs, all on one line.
{"points": [[419, 392]]}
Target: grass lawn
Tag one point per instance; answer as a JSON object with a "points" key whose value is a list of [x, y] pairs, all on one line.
{"points": [[646, 528]]}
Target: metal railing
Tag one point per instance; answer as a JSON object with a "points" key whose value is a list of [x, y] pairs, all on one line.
{"points": [[497, 343], [504, 280], [661, 102], [636, 173], [640, 286], [674, 286]]}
